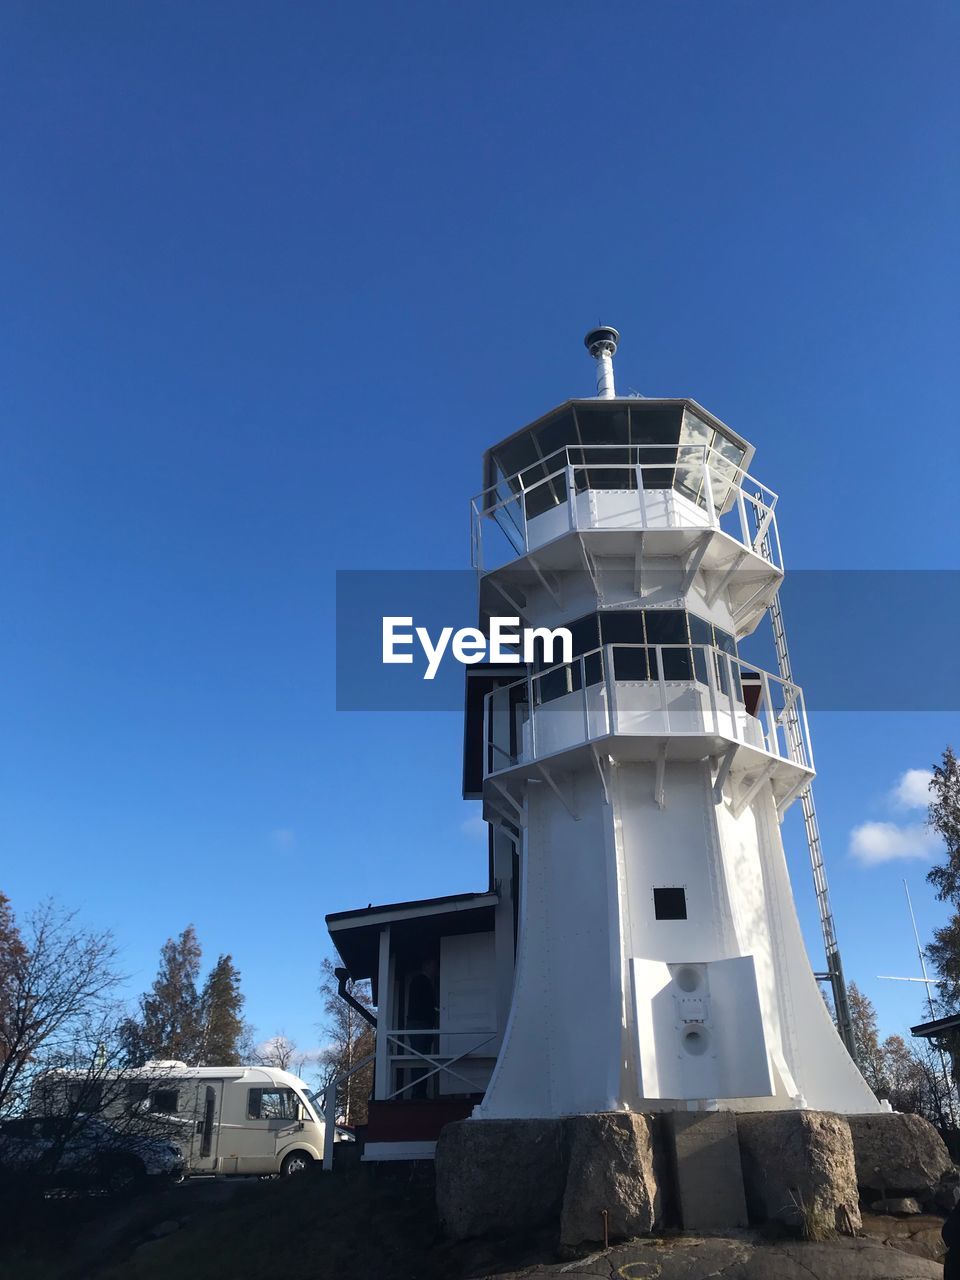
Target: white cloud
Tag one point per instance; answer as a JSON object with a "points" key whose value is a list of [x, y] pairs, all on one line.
{"points": [[913, 789], [873, 843]]}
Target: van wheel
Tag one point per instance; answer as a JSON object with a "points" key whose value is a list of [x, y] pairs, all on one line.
{"points": [[295, 1162]]}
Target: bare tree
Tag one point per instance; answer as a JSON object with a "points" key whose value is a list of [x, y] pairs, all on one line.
{"points": [[57, 985], [281, 1052], [350, 1038]]}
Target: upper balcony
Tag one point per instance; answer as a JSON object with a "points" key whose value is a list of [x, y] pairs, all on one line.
{"points": [[685, 489], [682, 702]]}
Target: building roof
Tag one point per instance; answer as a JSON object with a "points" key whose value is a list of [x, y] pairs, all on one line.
{"points": [[925, 1030], [356, 934], [643, 404], [406, 910]]}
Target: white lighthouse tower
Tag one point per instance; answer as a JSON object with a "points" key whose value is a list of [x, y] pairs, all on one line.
{"points": [[641, 786]]}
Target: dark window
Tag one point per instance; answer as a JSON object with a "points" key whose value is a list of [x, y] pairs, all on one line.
{"points": [[623, 629], [84, 1095], [209, 1109], [584, 634], [272, 1104], [584, 638], [701, 631], [555, 683], [137, 1093], [622, 626], [670, 904], [164, 1101], [666, 626], [669, 627], [542, 494]]}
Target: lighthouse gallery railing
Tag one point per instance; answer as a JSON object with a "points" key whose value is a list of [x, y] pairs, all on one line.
{"points": [[543, 501], [656, 690]]}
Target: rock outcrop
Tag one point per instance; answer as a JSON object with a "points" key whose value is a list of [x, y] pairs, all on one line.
{"points": [[899, 1155]]}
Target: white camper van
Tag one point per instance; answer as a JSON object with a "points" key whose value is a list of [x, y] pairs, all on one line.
{"points": [[226, 1120]]}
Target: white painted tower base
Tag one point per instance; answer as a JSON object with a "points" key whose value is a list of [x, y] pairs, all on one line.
{"points": [[614, 1008]]}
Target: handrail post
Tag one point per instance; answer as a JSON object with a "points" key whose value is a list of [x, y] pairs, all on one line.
{"points": [[583, 695], [574, 516], [744, 523], [661, 680], [522, 499], [709, 656], [734, 725], [533, 718], [487, 745], [807, 746], [613, 717], [773, 740], [712, 513], [641, 496]]}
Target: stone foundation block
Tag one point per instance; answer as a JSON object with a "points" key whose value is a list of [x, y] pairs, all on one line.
{"points": [[706, 1163], [799, 1169], [613, 1166]]}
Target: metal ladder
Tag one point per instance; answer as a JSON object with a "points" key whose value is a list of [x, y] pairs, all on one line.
{"points": [[834, 973]]}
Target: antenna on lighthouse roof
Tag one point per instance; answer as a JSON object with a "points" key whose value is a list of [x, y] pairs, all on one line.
{"points": [[602, 345]]}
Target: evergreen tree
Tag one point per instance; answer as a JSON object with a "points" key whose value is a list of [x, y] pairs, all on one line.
{"points": [[866, 1035], [172, 1024], [221, 1005], [944, 818]]}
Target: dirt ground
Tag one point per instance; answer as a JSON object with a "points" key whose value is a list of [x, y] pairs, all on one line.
{"points": [[381, 1223]]}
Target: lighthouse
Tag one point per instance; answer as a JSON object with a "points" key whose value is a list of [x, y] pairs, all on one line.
{"points": [[637, 946], [660, 962]]}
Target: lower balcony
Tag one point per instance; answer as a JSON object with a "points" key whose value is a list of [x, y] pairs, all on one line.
{"points": [[677, 702]]}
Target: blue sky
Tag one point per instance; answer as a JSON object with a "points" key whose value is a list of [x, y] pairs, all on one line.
{"points": [[272, 278]]}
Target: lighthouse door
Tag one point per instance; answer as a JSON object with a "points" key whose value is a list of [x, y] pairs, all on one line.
{"points": [[468, 1010]]}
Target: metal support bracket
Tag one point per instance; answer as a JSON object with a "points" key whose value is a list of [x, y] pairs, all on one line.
{"points": [[554, 592], [658, 789], [760, 597], [548, 779], [514, 604], [694, 560], [601, 770], [746, 796], [714, 592], [790, 796], [514, 805], [591, 565], [722, 774]]}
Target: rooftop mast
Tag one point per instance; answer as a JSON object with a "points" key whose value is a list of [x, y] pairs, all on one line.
{"points": [[602, 345]]}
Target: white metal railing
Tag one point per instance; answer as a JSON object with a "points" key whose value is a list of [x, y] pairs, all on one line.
{"points": [[408, 1056], [330, 1108], [655, 486], [654, 690]]}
